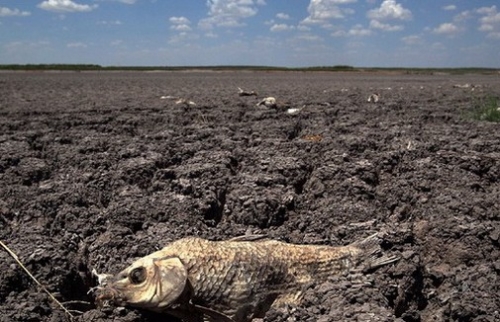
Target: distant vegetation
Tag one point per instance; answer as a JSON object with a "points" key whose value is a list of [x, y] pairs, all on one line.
{"points": [[336, 68], [50, 67], [486, 109], [85, 67]]}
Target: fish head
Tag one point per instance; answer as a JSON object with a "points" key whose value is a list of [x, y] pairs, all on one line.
{"points": [[153, 283]]}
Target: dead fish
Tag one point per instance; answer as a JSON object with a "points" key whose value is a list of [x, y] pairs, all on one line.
{"points": [[294, 110], [178, 100], [185, 102], [241, 92], [235, 280], [168, 97], [467, 85], [373, 98], [267, 102]]}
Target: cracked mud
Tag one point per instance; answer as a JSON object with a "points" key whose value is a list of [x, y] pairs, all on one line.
{"points": [[96, 170]]}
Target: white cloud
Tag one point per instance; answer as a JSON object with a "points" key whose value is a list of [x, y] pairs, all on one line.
{"points": [[487, 10], [390, 9], [229, 13], [358, 30], [327, 26], [125, 1], [211, 35], [339, 33], [179, 20], [462, 16], [281, 27], [65, 6], [412, 40], [76, 45], [308, 37], [122, 1], [355, 31], [490, 21], [6, 12], [494, 35], [282, 15], [183, 37], [450, 7], [18, 46], [375, 24], [113, 22], [180, 23], [116, 42], [180, 27], [323, 10], [447, 28]]}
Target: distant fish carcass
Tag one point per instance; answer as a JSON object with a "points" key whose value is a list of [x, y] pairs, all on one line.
{"points": [[373, 98], [268, 102]]}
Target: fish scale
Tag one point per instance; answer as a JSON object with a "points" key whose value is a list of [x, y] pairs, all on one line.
{"points": [[228, 275]]}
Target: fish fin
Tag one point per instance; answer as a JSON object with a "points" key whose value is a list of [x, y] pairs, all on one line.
{"points": [[248, 238], [372, 254], [215, 316]]}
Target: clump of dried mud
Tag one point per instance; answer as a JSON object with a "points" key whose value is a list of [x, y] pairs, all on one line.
{"points": [[96, 170]]}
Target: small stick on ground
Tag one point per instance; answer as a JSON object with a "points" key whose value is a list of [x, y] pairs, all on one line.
{"points": [[11, 253]]}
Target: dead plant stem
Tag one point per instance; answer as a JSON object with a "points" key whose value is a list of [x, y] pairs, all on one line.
{"points": [[11, 253]]}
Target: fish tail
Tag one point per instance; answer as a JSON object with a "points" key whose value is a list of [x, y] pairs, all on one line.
{"points": [[372, 254]]}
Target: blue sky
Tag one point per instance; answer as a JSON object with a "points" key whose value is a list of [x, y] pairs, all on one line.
{"points": [[291, 33]]}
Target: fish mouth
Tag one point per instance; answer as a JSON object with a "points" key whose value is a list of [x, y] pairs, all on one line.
{"points": [[106, 296]]}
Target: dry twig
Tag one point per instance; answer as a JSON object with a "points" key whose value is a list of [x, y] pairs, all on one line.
{"points": [[11, 253]]}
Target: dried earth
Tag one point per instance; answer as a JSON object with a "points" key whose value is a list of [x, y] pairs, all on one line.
{"points": [[96, 170]]}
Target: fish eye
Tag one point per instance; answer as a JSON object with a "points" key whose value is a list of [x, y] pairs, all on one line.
{"points": [[137, 275]]}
